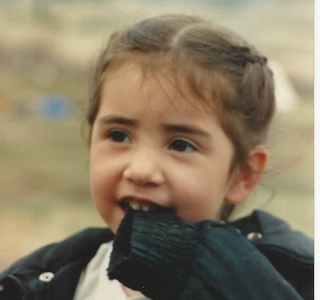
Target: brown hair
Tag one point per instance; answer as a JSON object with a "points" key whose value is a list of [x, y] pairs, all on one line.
{"points": [[229, 74]]}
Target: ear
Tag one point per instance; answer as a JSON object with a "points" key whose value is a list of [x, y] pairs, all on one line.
{"points": [[245, 178]]}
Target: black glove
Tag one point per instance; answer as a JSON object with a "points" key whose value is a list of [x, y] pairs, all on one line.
{"points": [[153, 253]]}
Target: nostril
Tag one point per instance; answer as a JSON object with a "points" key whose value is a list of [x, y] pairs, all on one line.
{"points": [[139, 176], [144, 168], [142, 176]]}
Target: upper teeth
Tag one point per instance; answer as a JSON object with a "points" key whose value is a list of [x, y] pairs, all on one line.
{"points": [[138, 206]]}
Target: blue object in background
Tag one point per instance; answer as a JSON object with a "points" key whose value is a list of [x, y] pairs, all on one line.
{"points": [[55, 106]]}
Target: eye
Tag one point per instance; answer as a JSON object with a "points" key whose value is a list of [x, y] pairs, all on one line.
{"points": [[182, 146], [119, 136]]}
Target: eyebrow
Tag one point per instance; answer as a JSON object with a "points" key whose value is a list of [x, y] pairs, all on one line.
{"points": [[115, 119], [176, 128], [186, 129]]}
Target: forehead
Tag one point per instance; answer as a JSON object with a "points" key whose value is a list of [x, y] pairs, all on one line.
{"points": [[144, 81]]}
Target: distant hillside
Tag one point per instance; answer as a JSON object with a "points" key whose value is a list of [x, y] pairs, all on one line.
{"points": [[63, 37]]}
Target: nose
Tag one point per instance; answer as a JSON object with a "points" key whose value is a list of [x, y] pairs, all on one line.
{"points": [[144, 168]]}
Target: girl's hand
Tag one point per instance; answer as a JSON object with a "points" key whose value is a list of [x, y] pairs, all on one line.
{"points": [[166, 258], [153, 253]]}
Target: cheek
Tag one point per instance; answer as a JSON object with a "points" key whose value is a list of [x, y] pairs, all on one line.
{"points": [[99, 178], [103, 192], [99, 162], [200, 195], [96, 173], [188, 198]]}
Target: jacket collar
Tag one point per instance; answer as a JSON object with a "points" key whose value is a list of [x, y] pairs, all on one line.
{"points": [[273, 236], [79, 248]]}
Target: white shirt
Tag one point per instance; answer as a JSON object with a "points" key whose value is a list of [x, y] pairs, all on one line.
{"points": [[94, 283]]}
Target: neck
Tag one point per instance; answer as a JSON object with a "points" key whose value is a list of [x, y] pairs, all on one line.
{"points": [[130, 292]]}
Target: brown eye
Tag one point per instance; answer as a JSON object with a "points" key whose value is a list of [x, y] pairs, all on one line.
{"points": [[182, 146], [119, 136]]}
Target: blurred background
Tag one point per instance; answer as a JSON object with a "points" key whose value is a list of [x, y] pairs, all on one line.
{"points": [[47, 51]]}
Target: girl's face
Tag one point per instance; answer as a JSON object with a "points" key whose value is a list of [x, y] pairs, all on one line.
{"points": [[152, 147]]}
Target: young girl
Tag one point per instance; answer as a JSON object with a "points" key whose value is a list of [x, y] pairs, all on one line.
{"points": [[179, 113]]}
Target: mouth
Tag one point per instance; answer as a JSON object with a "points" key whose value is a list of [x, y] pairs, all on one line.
{"points": [[137, 205]]}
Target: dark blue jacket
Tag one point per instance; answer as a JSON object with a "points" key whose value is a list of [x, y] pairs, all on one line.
{"points": [[272, 262]]}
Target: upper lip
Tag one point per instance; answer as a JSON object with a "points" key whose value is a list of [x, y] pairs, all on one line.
{"points": [[142, 203], [136, 199], [136, 203]]}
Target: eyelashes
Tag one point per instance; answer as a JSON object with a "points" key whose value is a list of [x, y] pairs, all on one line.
{"points": [[119, 136], [179, 145], [182, 146]]}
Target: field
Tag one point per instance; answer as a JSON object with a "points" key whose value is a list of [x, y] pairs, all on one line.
{"points": [[44, 162]]}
